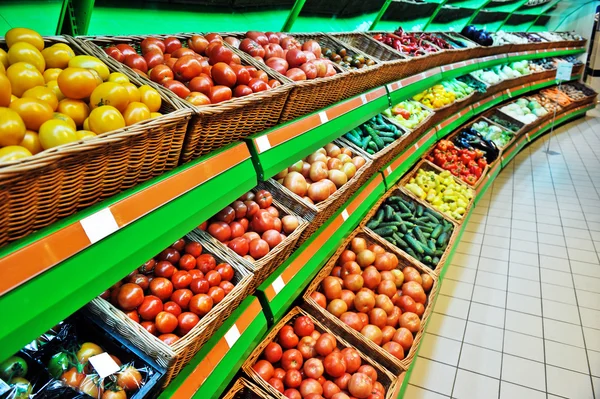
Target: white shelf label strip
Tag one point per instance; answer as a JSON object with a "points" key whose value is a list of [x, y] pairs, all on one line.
{"points": [[99, 225]]}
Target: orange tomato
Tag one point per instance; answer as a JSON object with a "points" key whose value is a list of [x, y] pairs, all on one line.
{"points": [[118, 77], [5, 91], [4, 58], [134, 92], [110, 93], [34, 112], [51, 74], [77, 83], [12, 127], [89, 62], [25, 52], [56, 132], [58, 56], [31, 142], [23, 76], [136, 112], [65, 118], [53, 85], [44, 94], [13, 152], [150, 97], [2, 69], [84, 134], [15, 35], [105, 119], [75, 109]]}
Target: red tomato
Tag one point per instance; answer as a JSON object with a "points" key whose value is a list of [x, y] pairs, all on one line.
{"points": [[182, 297], [168, 339], [161, 287], [186, 68], [219, 53], [258, 85], [226, 271], [200, 286], [187, 262], [213, 37], [126, 49], [303, 326], [240, 246], [237, 229], [186, 321], [220, 230], [133, 315], [216, 294], [176, 87], [154, 58], [198, 43], [206, 263], [198, 99], [193, 248], [227, 286], [213, 277], [165, 322], [251, 47], [292, 378], [273, 352], [150, 326], [335, 365], [115, 53], [171, 44], [223, 74], [287, 337], [201, 84], [258, 248], [219, 94], [291, 359], [150, 307], [181, 52], [278, 64], [201, 304], [172, 308], [296, 74], [130, 296], [136, 61], [262, 75], [164, 269], [313, 368], [277, 384], [152, 44], [242, 75], [264, 369], [242, 91]]}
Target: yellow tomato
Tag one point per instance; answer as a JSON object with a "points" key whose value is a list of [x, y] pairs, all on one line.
{"points": [[23, 76], [75, 109], [110, 93], [65, 118], [84, 134], [43, 93], [31, 141], [77, 83], [12, 127], [4, 58], [134, 93], [155, 114], [57, 56], [34, 112], [118, 77], [105, 119], [89, 62], [30, 36], [13, 152], [2, 69], [150, 97], [86, 124], [51, 74], [25, 52], [13, 98], [53, 85], [136, 112], [55, 132], [5, 91]]}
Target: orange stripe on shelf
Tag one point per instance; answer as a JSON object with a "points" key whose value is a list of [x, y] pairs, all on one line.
{"points": [[293, 129], [426, 137], [344, 107], [270, 292], [218, 352], [32, 260], [375, 94], [194, 381], [248, 316]]}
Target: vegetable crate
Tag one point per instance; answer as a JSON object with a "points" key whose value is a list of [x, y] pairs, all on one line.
{"points": [[244, 389], [216, 125], [55, 183], [506, 121], [174, 357], [263, 267], [387, 379], [354, 337], [418, 130], [403, 236]]}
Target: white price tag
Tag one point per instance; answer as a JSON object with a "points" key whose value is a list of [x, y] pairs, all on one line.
{"points": [[278, 284], [232, 335], [363, 98], [99, 225], [564, 71], [323, 117], [263, 144], [104, 365], [389, 170], [345, 214]]}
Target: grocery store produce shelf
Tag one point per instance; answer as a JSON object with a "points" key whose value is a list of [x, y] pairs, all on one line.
{"points": [[57, 270]]}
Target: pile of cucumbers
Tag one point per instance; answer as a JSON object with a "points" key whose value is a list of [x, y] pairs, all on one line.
{"points": [[374, 135], [419, 231]]}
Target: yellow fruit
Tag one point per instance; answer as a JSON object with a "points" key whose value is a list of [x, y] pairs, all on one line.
{"points": [[31, 141], [22, 77], [34, 112], [136, 112], [84, 134], [4, 58], [150, 97], [155, 114], [13, 153], [105, 119], [30, 36], [53, 85], [65, 118], [58, 56], [44, 94], [2, 69], [134, 93], [25, 52], [75, 109], [13, 98], [118, 77], [86, 124], [89, 62], [56, 132], [51, 74], [110, 93], [77, 83], [5, 90], [12, 127]]}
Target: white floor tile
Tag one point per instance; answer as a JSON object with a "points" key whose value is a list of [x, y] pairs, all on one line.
{"points": [[474, 386], [550, 239], [566, 356], [414, 392], [559, 294], [491, 280], [524, 271], [496, 241], [524, 323], [553, 250], [583, 256], [557, 278], [521, 286], [524, 304], [446, 326], [484, 336], [548, 262], [563, 332], [560, 311], [568, 384], [434, 376], [487, 315], [512, 391], [587, 283], [456, 289], [526, 258], [588, 299], [524, 346], [523, 372], [462, 274], [440, 349], [451, 306], [585, 269], [480, 360], [489, 296], [594, 358], [590, 318]]}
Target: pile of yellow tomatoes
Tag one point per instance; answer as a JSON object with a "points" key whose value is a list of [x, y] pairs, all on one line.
{"points": [[49, 96]]}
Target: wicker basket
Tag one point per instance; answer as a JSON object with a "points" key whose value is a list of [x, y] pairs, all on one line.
{"points": [[212, 126], [175, 357], [317, 214], [495, 111], [263, 267], [397, 191], [393, 364], [456, 54], [394, 66], [492, 123], [244, 389], [386, 378], [428, 166], [53, 184]]}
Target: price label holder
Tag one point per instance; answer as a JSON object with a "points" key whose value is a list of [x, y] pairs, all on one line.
{"points": [[564, 70]]}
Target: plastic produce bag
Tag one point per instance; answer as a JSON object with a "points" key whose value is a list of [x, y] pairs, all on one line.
{"points": [[21, 377]]}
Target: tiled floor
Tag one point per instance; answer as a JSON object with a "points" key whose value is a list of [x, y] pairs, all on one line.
{"points": [[518, 315]]}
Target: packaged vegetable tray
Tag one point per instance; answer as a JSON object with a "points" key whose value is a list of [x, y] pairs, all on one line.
{"points": [[388, 381], [55, 183], [355, 337], [215, 125], [174, 356]]}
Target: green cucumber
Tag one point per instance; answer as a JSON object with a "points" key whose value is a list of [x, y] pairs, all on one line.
{"points": [[386, 231], [412, 241], [373, 224], [437, 231]]}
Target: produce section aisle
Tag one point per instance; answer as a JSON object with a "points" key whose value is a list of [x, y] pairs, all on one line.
{"points": [[518, 315]]}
